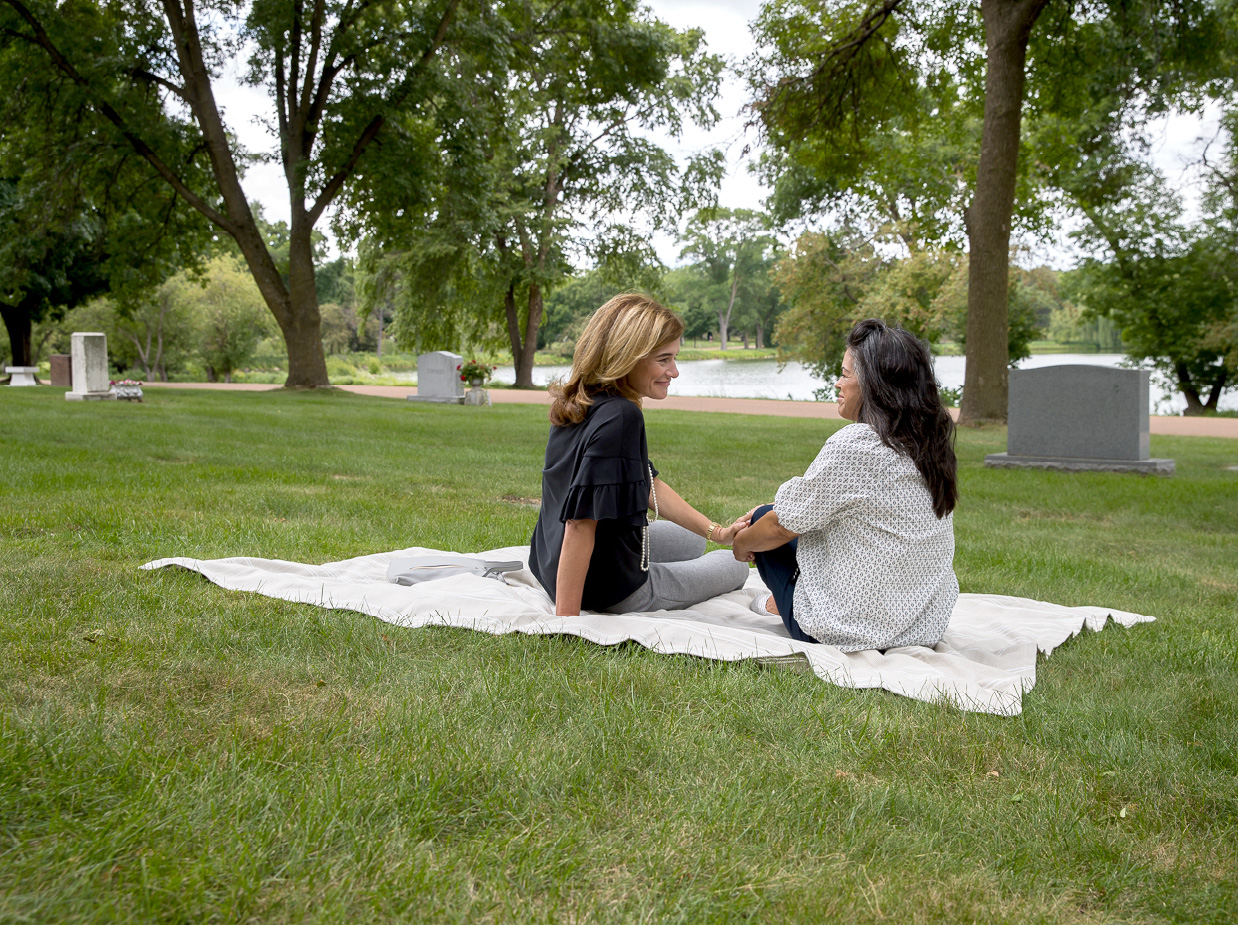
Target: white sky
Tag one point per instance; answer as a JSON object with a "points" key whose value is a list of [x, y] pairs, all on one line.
{"points": [[726, 25]]}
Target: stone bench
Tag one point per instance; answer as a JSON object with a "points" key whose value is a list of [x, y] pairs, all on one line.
{"points": [[22, 376]]}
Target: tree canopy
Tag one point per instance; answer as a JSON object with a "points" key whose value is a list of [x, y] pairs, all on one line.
{"points": [[911, 111], [570, 173], [341, 74], [80, 214]]}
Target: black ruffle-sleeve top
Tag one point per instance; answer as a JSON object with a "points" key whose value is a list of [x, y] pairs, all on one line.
{"points": [[599, 470]]}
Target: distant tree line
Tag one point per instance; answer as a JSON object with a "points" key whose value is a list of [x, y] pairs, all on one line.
{"points": [[490, 165]]}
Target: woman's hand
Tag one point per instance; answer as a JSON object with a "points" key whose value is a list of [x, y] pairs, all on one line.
{"points": [[764, 534], [725, 536], [741, 546]]}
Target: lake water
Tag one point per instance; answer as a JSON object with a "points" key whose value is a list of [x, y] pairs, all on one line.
{"points": [[761, 379]]}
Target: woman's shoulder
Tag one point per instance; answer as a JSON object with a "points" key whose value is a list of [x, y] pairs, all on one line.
{"points": [[609, 407], [861, 444], [857, 434]]}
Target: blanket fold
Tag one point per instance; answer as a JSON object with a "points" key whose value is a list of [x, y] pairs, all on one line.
{"points": [[985, 661]]}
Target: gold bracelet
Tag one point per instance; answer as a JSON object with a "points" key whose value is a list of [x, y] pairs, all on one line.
{"points": [[709, 534]]}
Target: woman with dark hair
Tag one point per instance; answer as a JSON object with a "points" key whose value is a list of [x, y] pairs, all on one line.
{"points": [[858, 551], [594, 545]]}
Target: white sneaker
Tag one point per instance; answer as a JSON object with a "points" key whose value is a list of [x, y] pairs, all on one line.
{"points": [[758, 605]]}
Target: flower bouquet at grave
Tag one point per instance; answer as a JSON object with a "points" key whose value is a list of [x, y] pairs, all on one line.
{"points": [[475, 372], [129, 389]]}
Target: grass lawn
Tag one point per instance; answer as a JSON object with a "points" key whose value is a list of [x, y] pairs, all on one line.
{"points": [[170, 751]]}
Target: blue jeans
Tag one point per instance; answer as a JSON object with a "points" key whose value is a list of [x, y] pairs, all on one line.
{"points": [[779, 570]]}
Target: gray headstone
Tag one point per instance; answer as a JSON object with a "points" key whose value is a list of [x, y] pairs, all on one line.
{"points": [[478, 395], [88, 350], [438, 380], [1078, 417]]}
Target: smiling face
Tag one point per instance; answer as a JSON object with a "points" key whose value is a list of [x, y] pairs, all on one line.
{"points": [[653, 374], [848, 387]]}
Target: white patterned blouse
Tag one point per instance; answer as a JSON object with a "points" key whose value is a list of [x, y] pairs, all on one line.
{"points": [[876, 564]]}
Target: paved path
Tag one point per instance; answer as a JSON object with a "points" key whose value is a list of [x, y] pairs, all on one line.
{"points": [[1157, 424]]}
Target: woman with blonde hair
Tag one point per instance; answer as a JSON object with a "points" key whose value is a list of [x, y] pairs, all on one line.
{"points": [[599, 544]]}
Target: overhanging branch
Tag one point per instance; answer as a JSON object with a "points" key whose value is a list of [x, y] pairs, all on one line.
{"points": [[44, 41], [333, 186]]}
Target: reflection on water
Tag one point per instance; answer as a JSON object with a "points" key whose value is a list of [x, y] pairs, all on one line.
{"points": [[761, 379]]}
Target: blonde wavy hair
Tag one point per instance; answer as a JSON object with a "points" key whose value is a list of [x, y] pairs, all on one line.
{"points": [[617, 337]]}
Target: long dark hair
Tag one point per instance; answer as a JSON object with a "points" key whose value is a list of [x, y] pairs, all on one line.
{"points": [[898, 392]]}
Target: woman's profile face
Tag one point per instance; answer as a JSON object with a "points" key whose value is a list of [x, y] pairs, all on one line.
{"points": [[652, 376], [848, 387]]}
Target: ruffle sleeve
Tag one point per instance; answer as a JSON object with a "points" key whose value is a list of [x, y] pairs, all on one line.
{"points": [[614, 488]]}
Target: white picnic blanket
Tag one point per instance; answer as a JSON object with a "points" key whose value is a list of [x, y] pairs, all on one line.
{"points": [[985, 661]]}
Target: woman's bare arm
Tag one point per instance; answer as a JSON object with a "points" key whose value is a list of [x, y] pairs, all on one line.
{"points": [[574, 558], [673, 507], [765, 534]]}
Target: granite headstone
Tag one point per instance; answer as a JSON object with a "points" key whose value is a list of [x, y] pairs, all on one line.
{"points": [[89, 352], [1079, 417], [438, 380], [62, 369]]}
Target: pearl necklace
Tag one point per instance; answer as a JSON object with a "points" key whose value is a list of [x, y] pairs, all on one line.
{"points": [[644, 540]]}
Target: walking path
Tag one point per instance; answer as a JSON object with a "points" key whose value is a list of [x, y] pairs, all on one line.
{"points": [[1157, 424]]}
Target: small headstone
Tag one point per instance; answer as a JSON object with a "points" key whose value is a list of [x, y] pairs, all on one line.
{"points": [[438, 380], [478, 395], [22, 376], [1079, 417], [62, 370], [88, 350]]}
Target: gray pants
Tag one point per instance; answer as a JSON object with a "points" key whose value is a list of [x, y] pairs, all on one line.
{"points": [[679, 575]]}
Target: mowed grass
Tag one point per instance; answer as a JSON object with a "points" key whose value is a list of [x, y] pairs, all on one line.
{"points": [[170, 751]]}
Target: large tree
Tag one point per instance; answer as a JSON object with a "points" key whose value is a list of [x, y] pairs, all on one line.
{"points": [[343, 76], [732, 249], [571, 174], [842, 85], [1169, 284], [80, 214], [43, 270]]}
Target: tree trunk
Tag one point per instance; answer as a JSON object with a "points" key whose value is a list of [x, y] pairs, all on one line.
{"points": [[513, 330], [724, 321], [1190, 391], [524, 357], [1007, 26], [1214, 397], [760, 336], [17, 323], [302, 322]]}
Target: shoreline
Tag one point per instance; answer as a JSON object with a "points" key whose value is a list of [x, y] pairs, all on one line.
{"points": [[1176, 425]]}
